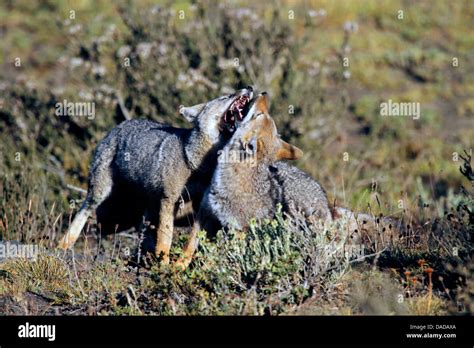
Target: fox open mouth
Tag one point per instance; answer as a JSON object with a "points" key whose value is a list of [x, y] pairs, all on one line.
{"points": [[236, 112]]}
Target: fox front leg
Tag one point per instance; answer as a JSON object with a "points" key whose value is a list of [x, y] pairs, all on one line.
{"points": [[164, 233], [190, 247]]}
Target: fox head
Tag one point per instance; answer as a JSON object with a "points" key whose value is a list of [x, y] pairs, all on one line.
{"points": [[221, 115], [257, 136]]}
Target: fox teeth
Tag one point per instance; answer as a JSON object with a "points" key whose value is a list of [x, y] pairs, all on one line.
{"points": [[234, 113]]}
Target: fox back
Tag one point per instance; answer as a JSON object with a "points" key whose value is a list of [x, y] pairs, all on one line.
{"points": [[300, 192]]}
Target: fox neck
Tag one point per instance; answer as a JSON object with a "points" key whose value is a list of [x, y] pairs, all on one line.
{"points": [[240, 192], [238, 178], [200, 149]]}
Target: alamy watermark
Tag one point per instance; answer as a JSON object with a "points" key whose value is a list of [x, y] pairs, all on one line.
{"points": [[248, 156], [80, 109], [15, 250], [409, 109], [348, 251]]}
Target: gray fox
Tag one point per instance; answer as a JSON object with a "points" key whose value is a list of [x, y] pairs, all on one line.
{"points": [[160, 164], [242, 186], [252, 183]]}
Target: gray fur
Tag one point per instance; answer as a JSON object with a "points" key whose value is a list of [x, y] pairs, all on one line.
{"points": [[300, 192], [278, 183]]}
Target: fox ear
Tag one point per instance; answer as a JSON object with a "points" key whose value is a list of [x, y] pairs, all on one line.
{"points": [[191, 112], [288, 152], [263, 102]]}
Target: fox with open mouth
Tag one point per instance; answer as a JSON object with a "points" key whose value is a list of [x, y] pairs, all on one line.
{"points": [[244, 187], [251, 184], [158, 165]]}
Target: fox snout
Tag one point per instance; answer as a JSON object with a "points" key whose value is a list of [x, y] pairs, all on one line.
{"points": [[247, 90], [259, 134]]}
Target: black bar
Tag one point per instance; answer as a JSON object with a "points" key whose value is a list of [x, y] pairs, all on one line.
{"points": [[288, 330]]}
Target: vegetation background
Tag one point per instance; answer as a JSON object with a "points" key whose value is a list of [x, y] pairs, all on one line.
{"points": [[146, 58]]}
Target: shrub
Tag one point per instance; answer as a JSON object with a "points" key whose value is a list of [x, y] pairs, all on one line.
{"points": [[275, 264]]}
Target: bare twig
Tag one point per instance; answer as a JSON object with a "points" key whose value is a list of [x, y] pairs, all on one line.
{"points": [[75, 188], [122, 106]]}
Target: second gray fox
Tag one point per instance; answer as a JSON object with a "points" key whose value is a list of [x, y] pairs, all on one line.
{"points": [[252, 187], [252, 183], [242, 186]]}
